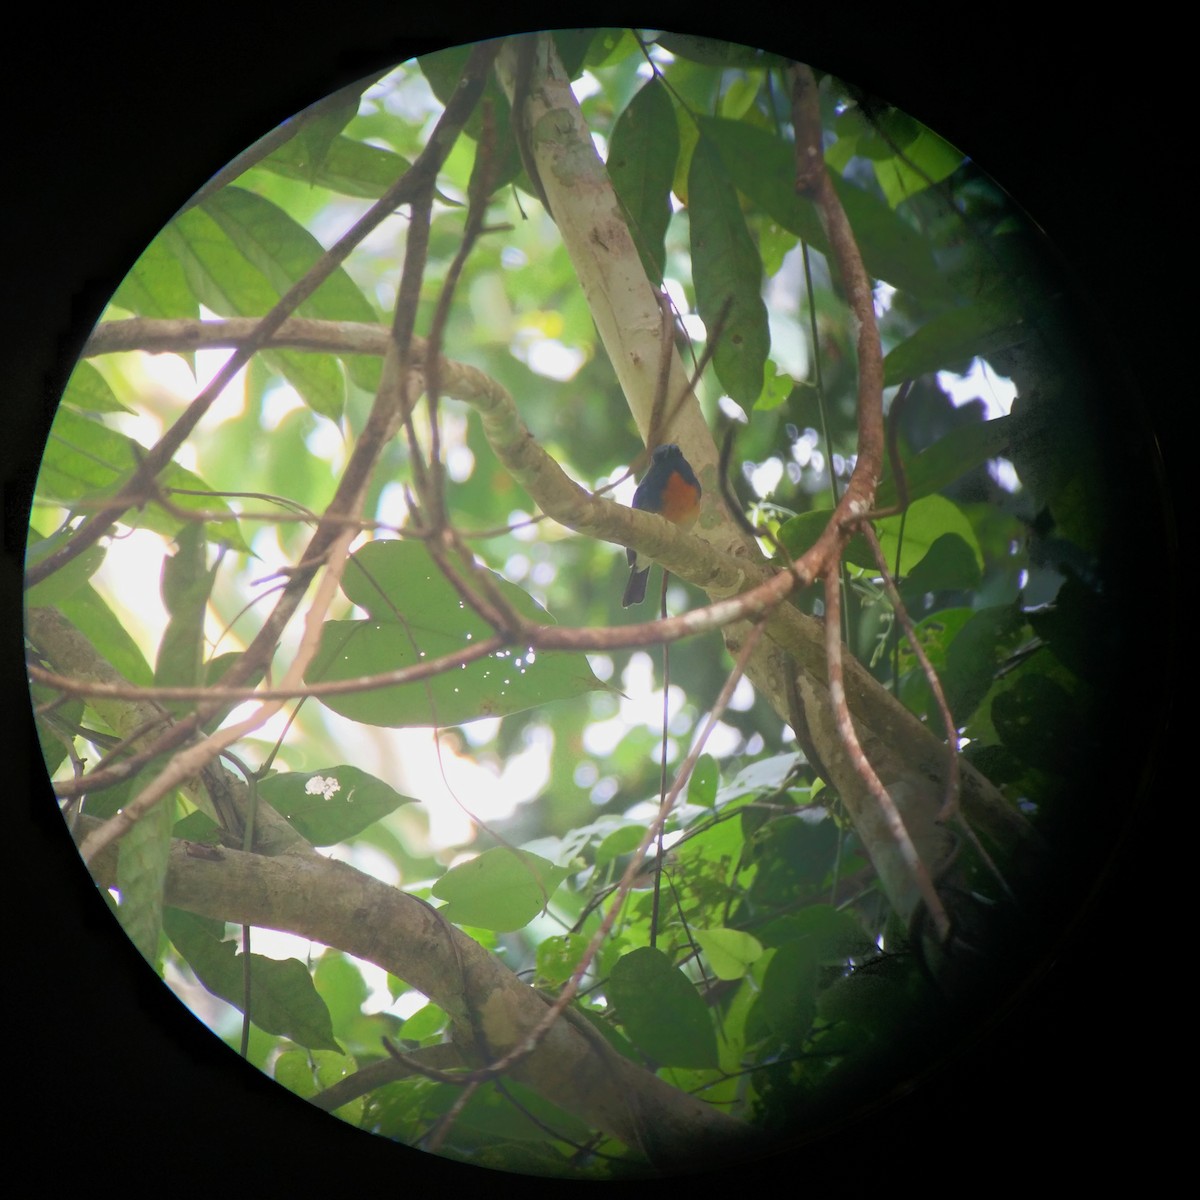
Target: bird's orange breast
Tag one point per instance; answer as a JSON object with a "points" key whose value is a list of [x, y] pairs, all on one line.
{"points": [[680, 500]]}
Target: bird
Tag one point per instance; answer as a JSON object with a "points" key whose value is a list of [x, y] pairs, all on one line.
{"points": [[671, 489]]}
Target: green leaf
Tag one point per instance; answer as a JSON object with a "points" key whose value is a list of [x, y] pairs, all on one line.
{"points": [[788, 1000], [426, 1023], [416, 615], [91, 615], [621, 841], [241, 253], [777, 388], [727, 273], [961, 450], [764, 166], [642, 154], [765, 775], [702, 786], [925, 160], [982, 644], [141, 876], [85, 458], [321, 125], [913, 532], [948, 566], [333, 804], [833, 934], [283, 999], [307, 1072], [349, 167], [557, 957], [501, 890], [951, 339], [66, 581], [157, 285], [443, 71], [729, 951], [87, 389], [661, 1011]]}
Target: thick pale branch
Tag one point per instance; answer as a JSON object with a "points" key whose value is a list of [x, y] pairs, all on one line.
{"points": [[491, 1009]]}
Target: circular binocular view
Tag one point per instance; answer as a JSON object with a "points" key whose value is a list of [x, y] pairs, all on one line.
{"points": [[569, 604]]}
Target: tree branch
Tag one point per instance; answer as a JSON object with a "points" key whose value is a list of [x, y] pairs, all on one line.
{"points": [[338, 906]]}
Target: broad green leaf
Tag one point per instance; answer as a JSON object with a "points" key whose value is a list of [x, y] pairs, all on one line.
{"points": [[241, 253], [935, 633], [64, 715], [284, 252], [764, 168], [322, 124], [342, 986], [729, 951], [283, 1000], [507, 1121], [501, 890], [428, 1021], [948, 566], [157, 285], [557, 957], [914, 532], [948, 459], [950, 339], [661, 1011], [765, 775], [91, 615], [983, 643], [621, 841], [56, 588], [349, 167], [141, 876], [333, 804], [727, 273], [417, 615], [833, 934], [702, 786], [777, 388], [85, 458], [788, 999], [926, 160], [307, 1072], [641, 162], [88, 389]]}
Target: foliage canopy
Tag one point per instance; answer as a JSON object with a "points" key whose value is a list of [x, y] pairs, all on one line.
{"points": [[772, 970]]}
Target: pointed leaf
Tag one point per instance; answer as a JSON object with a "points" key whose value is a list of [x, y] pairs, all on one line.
{"points": [[953, 338], [661, 1011], [641, 162], [416, 614], [84, 457], [729, 951], [727, 273], [501, 890], [763, 165], [141, 876], [333, 804], [283, 1000]]}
